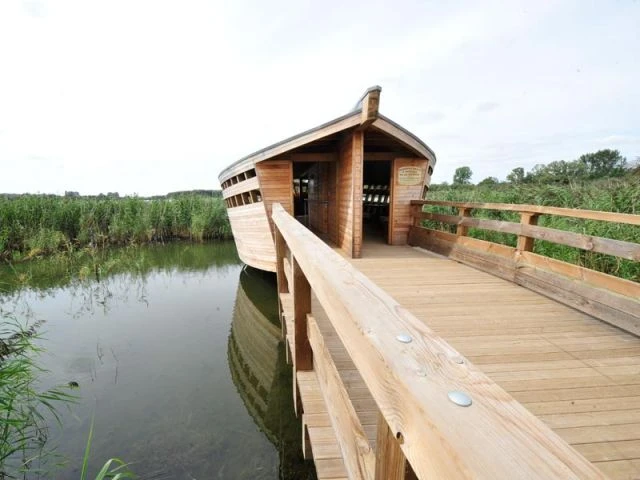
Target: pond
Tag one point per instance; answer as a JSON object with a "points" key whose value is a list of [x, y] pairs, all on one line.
{"points": [[177, 353]]}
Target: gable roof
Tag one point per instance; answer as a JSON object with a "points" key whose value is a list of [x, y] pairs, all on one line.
{"points": [[364, 114]]}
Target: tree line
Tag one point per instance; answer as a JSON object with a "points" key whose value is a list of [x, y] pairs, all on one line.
{"points": [[590, 166]]}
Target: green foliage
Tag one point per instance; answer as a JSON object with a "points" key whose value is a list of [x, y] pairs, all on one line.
{"points": [[489, 181], [23, 428], [35, 225], [462, 176], [113, 468], [591, 166], [612, 195], [516, 176]]}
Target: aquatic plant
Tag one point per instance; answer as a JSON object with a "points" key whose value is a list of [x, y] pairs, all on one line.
{"points": [[23, 406]]}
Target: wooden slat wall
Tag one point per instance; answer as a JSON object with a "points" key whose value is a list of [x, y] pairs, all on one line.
{"points": [[245, 186], [401, 196], [350, 165], [252, 235], [276, 185]]}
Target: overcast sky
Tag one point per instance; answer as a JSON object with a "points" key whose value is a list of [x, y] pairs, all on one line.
{"points": [[155, 96]]}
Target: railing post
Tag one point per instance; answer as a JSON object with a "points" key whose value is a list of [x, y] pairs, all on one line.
{"points": [[281, 247], [463, 230], [525, 244], [302, 354], [391, 464], [415, 211]]}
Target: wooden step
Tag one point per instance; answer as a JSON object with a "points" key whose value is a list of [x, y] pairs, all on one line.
{"points": [[317, 429]]}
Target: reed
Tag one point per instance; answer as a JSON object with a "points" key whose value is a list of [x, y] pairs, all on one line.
{"points": [[23, 406], [611, 195], [37, 225]]}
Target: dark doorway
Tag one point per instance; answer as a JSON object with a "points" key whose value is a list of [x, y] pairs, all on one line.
{"points": [[376, 196]]}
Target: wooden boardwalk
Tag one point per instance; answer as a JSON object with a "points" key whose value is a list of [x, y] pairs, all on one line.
{"points": [[555, 390], [579, 375]]}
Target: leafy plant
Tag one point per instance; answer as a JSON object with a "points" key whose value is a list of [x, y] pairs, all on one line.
{"points": [[113, 468]]}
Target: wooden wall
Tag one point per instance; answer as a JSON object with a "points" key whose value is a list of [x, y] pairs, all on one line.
{"points": [[276, 185], [349, 195], [332, 199], [253, 236], [401, 196], [318, 197]]}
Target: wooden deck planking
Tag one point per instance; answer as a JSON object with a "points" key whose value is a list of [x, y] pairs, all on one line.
{"points": [[579, 375]]}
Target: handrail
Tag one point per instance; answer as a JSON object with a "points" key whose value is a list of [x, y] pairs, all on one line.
{"points": [[627, 218], [495, 437], [617, 248]]}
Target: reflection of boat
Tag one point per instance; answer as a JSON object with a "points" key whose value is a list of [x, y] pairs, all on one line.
{"points": [[259, 371]]}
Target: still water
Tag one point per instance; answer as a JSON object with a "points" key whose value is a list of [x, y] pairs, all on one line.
{"points": [[178, 356]]}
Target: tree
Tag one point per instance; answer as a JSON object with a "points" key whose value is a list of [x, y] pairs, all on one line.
{"points": [[516, 176], [462, 176], [489, 181], [604, 163]]}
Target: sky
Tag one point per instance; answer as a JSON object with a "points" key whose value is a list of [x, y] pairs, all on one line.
{"points": [[147, 97]]}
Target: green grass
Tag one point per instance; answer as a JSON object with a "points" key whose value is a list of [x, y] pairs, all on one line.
{"points": [[38, 225], [611, 195]]}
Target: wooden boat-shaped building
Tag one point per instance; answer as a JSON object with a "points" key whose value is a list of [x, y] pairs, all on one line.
{"points": [[351, 177]]}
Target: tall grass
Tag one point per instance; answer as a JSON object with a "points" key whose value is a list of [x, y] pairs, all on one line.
{"points": [[35, 225], [611, 195], [23, 427]]}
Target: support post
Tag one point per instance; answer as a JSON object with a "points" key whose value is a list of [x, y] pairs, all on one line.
{"points": [[525, 244], [281, 247], [391, 464], [463, 230], [302, 354]]}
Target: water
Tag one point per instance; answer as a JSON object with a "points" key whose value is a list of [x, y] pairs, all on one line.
{"points": [[178, 356]]}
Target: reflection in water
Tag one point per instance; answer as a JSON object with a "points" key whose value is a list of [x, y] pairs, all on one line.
{"points": [[181, 384], [259, 371]]}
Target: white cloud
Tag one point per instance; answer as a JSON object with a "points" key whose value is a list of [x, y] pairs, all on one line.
{"points": [[154, 96]]}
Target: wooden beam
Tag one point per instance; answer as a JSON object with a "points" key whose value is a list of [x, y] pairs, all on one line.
{"points": [[617, 248], [303, 359], [463, 230], [391, 463], [627, 218], [525, 244], [370, 105], [358, 456]]}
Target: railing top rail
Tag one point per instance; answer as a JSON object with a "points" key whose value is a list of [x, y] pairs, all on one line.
{"points": [[627, 218], [495, 437]]}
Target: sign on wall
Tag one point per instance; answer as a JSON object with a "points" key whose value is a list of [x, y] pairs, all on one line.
{"points": [[410, 176]]}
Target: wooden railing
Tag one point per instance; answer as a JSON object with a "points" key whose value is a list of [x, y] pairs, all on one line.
{"points": [[494, 437], [604, 296]]}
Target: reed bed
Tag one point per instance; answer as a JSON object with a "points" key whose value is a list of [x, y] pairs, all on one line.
{"points": [[38, 225]]}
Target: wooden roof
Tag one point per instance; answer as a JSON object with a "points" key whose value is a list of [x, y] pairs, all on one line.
{"points": [[364, 115]]}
